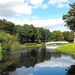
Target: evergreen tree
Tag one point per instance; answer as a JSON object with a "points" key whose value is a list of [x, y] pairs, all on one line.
{"points": [[70, 18]]}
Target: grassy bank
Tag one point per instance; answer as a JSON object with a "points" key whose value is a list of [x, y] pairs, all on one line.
{"points": [[67, 48], [38, 45], [24, 46]]}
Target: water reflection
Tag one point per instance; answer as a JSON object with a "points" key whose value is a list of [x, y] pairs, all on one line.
{"points": [[70, 70], [32, 61]]}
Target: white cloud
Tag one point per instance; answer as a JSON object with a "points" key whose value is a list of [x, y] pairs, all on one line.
{"points": [[19, 73], [14, 8], [53, 2], [60, 3], [10, 1], [39, 3], [56, 63], [36, 23], [44, 6], [36, 2], [33, 17]]}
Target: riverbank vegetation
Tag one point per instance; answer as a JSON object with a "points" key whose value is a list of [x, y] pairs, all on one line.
{"points": [[67, 48], [14, 37]]}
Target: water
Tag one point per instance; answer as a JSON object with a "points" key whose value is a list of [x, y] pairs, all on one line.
{"points": [[40, 61]]}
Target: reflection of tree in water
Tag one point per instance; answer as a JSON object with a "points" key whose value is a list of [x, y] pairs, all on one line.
{"points": [[71, 70], [27, 58], [7, 62], [34, 57], [73, 56], [13, 60]]}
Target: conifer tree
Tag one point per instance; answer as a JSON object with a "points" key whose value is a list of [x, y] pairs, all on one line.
{"points": [[70, 18]]}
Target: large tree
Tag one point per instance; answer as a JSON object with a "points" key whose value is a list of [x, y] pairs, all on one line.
{"points": [[7, 26], [70, 18], [59, 36]]}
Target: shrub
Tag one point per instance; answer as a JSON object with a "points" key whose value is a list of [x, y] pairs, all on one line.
{"points": [[30, 44], [16, 46], [6, 46], [0, 48], [42, 43]]}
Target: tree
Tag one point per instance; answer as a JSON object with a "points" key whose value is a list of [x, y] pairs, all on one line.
{"points": [[66, 34], [8, 27], [40, 34], [3, 37], [52, 36], [59, 36], [70, 36], [47, 35], [70, 18]]}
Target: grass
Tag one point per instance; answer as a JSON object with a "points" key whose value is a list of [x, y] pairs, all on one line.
{"points": [[67, 48], [38, 45]]}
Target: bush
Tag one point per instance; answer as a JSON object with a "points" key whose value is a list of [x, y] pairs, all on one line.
{"points": [[6, 46], [42, 43], [0, 48], [16, 46], [30, 44]]}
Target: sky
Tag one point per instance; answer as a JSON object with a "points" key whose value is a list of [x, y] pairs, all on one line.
{"points": [[41, 13]]}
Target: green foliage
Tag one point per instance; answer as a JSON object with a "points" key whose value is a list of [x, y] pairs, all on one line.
{"points": [[52, 36], [59, 36], [30, 44], [70, 17], [7, 26], [66, 34], [0, 56], [16, 46], [71, 36], [0, 48], [5, 46], [3, 37], [7, 40], [47, 35]]}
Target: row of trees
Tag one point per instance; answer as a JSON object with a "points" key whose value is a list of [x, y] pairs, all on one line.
{"points": [[25, 33], [62, 36], [29, 33]]}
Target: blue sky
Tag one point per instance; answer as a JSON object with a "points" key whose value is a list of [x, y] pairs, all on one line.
{"points": [[41, 13]]}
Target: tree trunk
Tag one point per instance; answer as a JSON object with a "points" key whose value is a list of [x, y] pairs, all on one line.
{"points": [[74, 35]]}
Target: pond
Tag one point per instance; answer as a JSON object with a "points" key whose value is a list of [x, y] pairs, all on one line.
{"points": [[38, 61]]}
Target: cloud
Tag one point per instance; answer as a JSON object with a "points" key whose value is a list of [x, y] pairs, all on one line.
{"points": [[56, 63], [36, 2], [36, 23], [51, 24], [14, 8], [39, 4], [33, 17], [53, 2], [44, 6], [60, 3], [15, 73]]}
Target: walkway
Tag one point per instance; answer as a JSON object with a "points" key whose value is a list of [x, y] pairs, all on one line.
{"points": [[52, 46], [61, 42]]}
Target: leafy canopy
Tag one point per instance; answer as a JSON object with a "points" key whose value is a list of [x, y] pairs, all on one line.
{"points": [[70, 17]]}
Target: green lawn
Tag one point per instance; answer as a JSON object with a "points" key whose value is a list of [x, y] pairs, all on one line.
{"points": [[67, 48], [38, 45]]}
